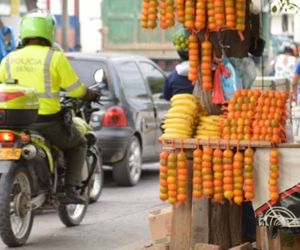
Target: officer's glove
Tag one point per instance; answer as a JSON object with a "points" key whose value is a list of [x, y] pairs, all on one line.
{"points": [[91, 96]]}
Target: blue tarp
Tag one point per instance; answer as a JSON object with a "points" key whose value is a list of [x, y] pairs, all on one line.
{"points": [[5, 49]]}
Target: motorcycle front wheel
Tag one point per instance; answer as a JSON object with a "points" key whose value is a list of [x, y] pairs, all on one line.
{"points": [[96, 182], [16, 216], [73, 214]]}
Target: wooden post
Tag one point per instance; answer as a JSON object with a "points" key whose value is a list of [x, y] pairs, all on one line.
{"points": [[181, 217], [200, 221], [235, 224], [219, 225]]}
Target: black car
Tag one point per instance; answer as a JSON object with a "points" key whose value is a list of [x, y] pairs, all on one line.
{"points": [[128, 122]]}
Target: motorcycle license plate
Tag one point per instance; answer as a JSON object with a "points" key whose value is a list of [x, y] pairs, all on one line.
{"points": [[10, 153]]}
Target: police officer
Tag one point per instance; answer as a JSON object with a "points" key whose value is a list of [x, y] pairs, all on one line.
{"points": [[37, 64]]}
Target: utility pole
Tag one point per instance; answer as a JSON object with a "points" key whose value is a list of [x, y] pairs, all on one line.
{"points": [[31, 4], [65, 25]]}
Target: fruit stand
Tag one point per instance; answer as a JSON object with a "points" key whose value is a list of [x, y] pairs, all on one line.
{"points": [[225, 145], [208, 177]]}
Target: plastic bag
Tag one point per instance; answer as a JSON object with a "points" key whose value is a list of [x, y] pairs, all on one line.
{"points": [[230, 81]]}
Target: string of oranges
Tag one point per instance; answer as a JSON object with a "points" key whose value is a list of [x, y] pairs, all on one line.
{"points": [[216, 174]]}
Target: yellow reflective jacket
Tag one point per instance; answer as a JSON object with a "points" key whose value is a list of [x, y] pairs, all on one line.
{"points": [[47, 71]]}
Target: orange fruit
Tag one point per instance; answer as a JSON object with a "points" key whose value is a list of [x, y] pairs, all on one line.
{"points": [[274, 196], [228, 153], [197, 194], [273, 188], [228, 195], [274, 175], [208, 150], [249, 196], [273, 160], [249, 152], [182, 197], [238, 199]]}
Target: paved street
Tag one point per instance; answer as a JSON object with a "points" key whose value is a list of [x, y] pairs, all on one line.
{"points": [[118, 221]]}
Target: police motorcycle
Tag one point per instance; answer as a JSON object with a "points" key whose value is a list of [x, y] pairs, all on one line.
{"points": [[32, 171]]}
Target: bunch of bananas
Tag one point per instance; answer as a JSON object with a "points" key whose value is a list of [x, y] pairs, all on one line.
{"points": [[182, 118], [209, 127]]}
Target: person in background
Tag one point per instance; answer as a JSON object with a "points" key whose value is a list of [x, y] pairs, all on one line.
{"points": [[285, 64], [295, 84], [7, 40], [177, 82]]}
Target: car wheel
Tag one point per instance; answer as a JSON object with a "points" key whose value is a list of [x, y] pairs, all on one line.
{"points": [[128, 171]]}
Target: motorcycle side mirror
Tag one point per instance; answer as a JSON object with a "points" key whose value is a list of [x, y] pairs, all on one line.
{"points": [[100, 79], [99, 76]]}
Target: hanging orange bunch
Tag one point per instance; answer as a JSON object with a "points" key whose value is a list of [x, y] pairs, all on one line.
{"points": [[170, 9], [211, 15], [152, 14], [274, 175], [218, 175], [269, 120], [219, 14], [200, 19], [163, 175], [163, 14], [249, 174], [189, 14], [240, 15], [182, 176], [145, 12], [193, 58], [172, 180], [228, 173], [238, 164], [230, 14], [207, 173], [197, 175], [206, 64], [180, 6]]}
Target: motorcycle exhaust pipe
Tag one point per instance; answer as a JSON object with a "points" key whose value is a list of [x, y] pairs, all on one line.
{"points": [[29, 152]]}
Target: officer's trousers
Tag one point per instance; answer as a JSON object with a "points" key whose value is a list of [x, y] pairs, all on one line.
{"points": [[74, 147]]}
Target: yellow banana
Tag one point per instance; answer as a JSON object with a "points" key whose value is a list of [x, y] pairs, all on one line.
{"points": [[177, 131], [185, 122], [209, 127], [184, 96], [209, 133], [183, 110], [178, 115], [185, 103], [177, 126], [216, 117]]}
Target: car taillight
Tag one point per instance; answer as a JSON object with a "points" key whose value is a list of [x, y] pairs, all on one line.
{"points": [[115, 117], [7, 137]]}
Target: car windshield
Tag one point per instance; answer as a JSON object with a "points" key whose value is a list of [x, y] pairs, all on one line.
{"points": [[85, 69]]}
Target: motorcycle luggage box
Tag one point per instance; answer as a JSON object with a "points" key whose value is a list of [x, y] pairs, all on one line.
{"points": [[18, 105]]}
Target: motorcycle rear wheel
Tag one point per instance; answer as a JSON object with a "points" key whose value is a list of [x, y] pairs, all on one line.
{"points": [[73, 214], [16, 216]]}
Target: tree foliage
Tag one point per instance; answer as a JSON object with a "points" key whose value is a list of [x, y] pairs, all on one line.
{"points": [[285, 5]]}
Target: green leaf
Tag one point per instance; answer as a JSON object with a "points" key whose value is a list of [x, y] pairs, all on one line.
{"points": [[274, 9]]}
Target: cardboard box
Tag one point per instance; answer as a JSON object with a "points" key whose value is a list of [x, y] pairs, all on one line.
{"points": [[203, 246], [245, 246], [160, 226], [152, 247]]}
